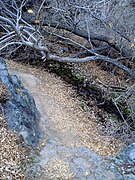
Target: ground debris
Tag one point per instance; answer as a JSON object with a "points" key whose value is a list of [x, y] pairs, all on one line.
{"points": [[3, 93], [13, 155], [62, 116]]}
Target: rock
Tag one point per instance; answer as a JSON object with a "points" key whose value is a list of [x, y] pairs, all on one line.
{"points": [[19, 108], [125, 162], [85, 164]]}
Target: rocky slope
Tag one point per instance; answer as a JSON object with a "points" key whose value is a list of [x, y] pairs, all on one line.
{"points": [[68, 133], [18, 107]]}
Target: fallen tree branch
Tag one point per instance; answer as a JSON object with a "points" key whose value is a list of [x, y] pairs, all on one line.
{"points": [[93, 58], [85, 35], [28, 36], [87, 53]]}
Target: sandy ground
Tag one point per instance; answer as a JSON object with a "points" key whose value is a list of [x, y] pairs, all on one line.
{"points": [[62, 117]]}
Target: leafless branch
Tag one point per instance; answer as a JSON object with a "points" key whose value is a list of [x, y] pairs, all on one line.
{"points": [[19, 32]]}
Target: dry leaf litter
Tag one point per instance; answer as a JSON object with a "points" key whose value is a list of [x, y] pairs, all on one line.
{"points": [[13, 155], [66, 121], [62, 116]]}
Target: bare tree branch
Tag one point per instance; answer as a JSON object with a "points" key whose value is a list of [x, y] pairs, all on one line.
{"points": [[93, 58], [92, 36], [27, 35]]}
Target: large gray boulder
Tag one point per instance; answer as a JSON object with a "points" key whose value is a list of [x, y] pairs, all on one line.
{"points": [[82, 163], [19, 107]]}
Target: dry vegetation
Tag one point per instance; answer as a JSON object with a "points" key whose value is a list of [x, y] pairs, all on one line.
{"points": [[3, 93], [13, 156], [115, 131], [111, 81], [63, 111]]}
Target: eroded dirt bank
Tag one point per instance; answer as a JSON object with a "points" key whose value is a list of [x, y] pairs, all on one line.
{"points": [[62, 118]]}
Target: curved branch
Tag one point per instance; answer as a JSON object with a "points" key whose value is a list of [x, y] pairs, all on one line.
{"points": [[92, 58], [8, 21], [93, 36], [38, 46]]}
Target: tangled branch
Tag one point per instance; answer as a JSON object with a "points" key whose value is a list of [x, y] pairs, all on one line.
{"points": [[18, 32]]}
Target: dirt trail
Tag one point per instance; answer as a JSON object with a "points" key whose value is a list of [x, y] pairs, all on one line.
{"points": [[61, 115]]}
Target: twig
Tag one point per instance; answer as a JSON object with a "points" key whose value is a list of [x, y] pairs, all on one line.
{"points": [[120, 112]]}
